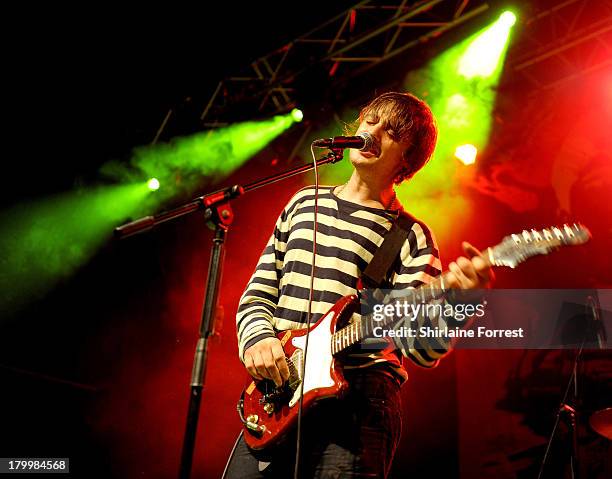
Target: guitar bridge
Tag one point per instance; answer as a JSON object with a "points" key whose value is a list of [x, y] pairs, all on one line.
{"points": [[274, 397]]}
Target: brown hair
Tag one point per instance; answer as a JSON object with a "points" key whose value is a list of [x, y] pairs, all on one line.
{"points": [[407, 119]]}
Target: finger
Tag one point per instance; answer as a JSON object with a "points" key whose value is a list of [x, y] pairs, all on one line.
{"points": [[470, 250], [248, 363], [482, 267], [279, 358], [456, 270], [467, 268], [270, 364], [451, 281], [260, 365], [478, 259], [483, 270]]}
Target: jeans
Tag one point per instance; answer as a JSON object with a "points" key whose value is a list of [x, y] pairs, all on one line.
{"points": [[348, 438]]}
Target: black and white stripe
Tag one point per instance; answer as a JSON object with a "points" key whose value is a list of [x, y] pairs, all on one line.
{"points": [[348, 235]]}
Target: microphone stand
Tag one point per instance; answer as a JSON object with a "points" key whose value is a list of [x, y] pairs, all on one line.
{"points": [[571, 411], [219, 216]]}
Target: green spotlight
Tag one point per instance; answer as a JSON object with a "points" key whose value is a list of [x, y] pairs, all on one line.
{"points": [[460, 86], [210, 155], [297, 114], [484, 55], [508, 18], [153, 184], [45, 241]]}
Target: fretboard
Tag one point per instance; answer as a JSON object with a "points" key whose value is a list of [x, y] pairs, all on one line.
{"points": [[514, 249], [353, 333]]}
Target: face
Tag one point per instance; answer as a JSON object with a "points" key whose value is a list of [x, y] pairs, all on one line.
{"points": [[387, 163]]}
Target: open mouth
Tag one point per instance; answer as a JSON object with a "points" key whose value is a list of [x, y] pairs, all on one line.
{"points": [[375, 150]]}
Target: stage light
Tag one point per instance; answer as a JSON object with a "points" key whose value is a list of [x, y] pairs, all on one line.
{"points": [[466, 154], [484, 55], [297, 114], [45, 241], [508, 18], [153, 184], [186, 162]]}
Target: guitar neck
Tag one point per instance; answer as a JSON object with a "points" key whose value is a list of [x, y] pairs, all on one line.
{"points": [[353, 333], [514, 249]]}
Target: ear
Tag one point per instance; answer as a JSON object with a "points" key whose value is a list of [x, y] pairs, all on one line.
{"points": [[402, 175], [405, 170]]}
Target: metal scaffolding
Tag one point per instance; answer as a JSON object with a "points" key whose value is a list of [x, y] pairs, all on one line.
{"points": [[560, 41], [554, 42], [365, 35]]}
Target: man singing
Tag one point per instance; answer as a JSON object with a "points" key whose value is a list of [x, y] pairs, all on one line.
{"points": [[355, 436]]}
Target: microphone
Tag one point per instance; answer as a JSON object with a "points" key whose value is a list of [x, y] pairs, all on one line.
{"points": [[363, 142]]}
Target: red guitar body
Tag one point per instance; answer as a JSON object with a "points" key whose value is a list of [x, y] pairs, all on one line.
{"points": [[268, 412]]}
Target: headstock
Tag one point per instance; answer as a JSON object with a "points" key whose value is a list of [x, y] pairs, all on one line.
{"points": [[516, 248]]}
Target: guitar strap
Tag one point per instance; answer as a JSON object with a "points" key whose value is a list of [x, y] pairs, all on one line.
{"points": [[376, 271]]}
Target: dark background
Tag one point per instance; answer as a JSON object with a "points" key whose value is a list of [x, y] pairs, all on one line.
{"points": [[98, 370]]}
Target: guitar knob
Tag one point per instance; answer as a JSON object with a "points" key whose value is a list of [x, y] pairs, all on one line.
{"points": [[251, 422], [269, 407]]}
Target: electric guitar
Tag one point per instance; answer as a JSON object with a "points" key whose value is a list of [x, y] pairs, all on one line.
{"points": [[268, 412]]}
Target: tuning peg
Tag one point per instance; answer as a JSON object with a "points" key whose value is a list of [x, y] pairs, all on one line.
{"points": [[526, 236], [536, 235], [547, 234], [558, 233], [568, 231]]}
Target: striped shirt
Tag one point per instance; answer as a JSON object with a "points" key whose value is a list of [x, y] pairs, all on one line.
{"points": [[348, 235]]}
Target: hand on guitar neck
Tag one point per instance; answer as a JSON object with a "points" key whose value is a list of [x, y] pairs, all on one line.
{"points": [[471, 272]]}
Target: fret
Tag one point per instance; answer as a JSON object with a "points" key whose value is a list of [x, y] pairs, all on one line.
{"points": [[513, 250]]}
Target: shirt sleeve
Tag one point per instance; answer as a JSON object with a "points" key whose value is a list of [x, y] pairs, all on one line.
{"points": [[255, 316], [420, 265]]}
